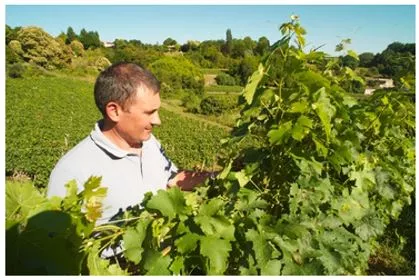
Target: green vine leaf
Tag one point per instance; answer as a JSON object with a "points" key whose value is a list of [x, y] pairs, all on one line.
{"points": [[156, 264], [187, 242], [93, 195], [217, 251], [169, 202], [133, 241], [101, 267], [254, 80], [301, 128], [325, 110], [277, 136]]}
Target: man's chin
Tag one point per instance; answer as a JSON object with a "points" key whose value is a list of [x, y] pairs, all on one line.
{"points": [[147, 135]]}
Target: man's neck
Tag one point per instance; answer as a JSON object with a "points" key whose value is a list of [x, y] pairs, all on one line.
{"points": [[112, 135]]}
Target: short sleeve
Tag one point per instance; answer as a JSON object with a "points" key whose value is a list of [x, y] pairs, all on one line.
{"points": [[59, 177]]}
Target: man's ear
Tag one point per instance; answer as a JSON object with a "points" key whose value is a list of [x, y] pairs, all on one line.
{"points": [[113, 111]]}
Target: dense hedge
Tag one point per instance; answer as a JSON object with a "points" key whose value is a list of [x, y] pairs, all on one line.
{"points": [[218, 104], [225, 79]]}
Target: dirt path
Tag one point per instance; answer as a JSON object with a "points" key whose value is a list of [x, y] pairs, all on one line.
{"points": [[209, 79]]}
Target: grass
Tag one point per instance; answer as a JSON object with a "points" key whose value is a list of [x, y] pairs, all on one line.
{"points": [[223, 89], [213, 71]]}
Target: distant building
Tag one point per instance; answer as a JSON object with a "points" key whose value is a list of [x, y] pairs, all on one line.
{"points": [[108, 44], [171, 48]]}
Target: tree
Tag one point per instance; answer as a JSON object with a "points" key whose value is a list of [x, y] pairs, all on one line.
{"points": [[229, 43], [410, 48], [83, 37], [8, 31], [238, 48], [229, 37], [365, 59], [71, 35], [169, 42], [11, 33], [396, 47], [396, 61], [41, 48], [120, 43], [131, 52], [350, 61], [262, 46], [89, 39], [190, 45], [211, 51], [244, 69], [249, 45]]}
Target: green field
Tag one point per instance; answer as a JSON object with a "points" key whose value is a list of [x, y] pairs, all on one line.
{"points": [[46, 116], [212, 71]]}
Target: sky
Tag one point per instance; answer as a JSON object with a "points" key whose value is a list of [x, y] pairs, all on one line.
{"points": [[371, 28]]}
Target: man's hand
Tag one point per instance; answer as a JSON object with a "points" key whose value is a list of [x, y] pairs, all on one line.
{"points": [[187, 179]]}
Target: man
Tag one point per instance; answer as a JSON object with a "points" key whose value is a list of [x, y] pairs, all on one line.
{"points": [[121, 148]]}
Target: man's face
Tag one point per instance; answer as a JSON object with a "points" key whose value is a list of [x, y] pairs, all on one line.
{"points": [[137, 120]]}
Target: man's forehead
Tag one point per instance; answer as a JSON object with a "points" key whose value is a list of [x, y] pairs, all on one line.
{"points": [[141, 89], [148, 98]]}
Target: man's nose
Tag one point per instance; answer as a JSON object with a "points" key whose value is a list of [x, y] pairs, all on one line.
{"points": [[155, 120]]}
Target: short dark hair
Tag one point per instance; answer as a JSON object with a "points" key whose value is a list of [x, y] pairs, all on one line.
{"points": [[119, 83]]}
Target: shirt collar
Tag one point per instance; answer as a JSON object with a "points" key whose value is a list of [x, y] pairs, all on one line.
{"points": [[99, 138]]}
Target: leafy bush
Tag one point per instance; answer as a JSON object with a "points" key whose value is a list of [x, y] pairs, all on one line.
{"points": [[90, 64], [130, 52], [102, 63], [41, 48], [178, 73], [211, 106], [77, 48], [192, 103], [198, 59], [16, 70], [217, 104], [225, 79], [16, 46], [12, 56], [373, 72]]}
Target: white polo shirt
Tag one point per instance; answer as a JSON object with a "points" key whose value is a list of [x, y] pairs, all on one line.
{"points": [[127, 176]]}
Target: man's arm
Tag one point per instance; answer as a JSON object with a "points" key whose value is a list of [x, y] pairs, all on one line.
{"points": [[187, 179]]}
